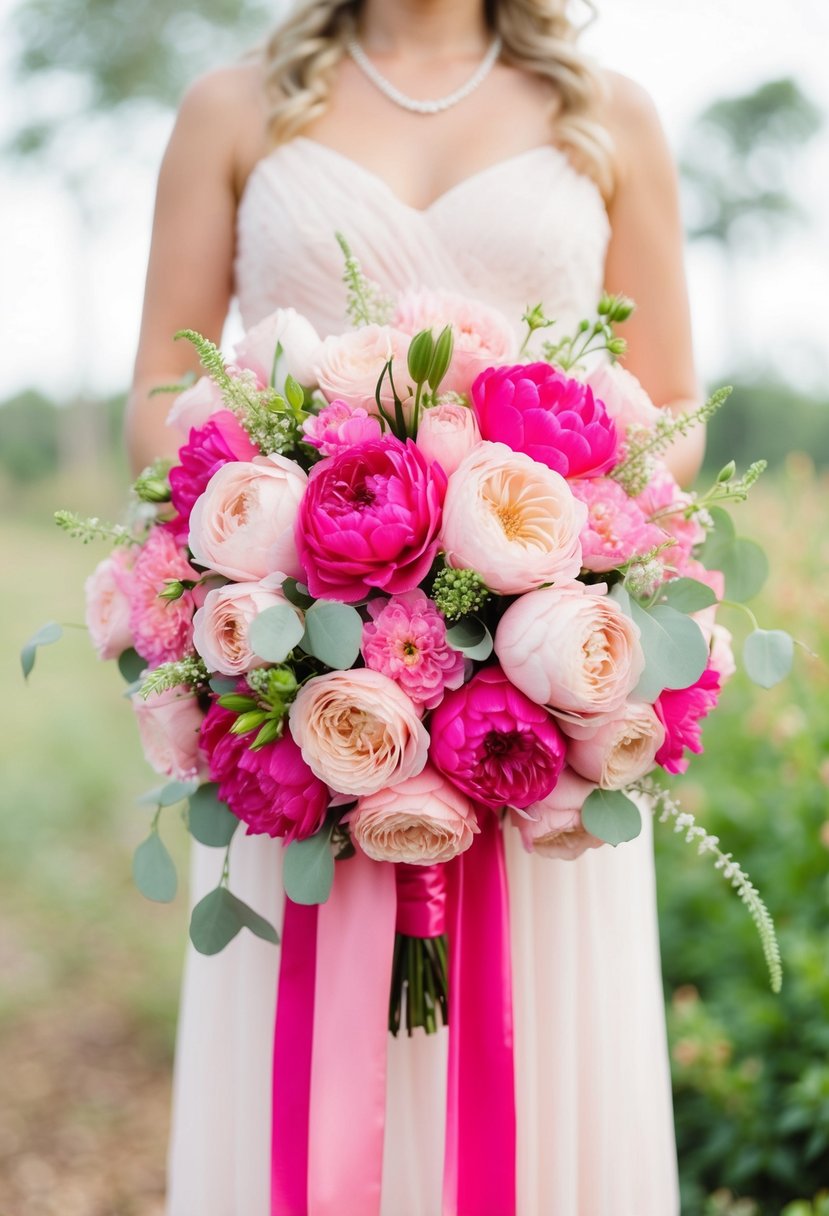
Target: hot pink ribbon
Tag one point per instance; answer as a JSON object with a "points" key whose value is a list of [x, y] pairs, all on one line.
{"points": [[421, 900]]}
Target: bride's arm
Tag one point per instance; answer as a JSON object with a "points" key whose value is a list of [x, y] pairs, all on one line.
{"points": [[189, 276], [645, 261]]}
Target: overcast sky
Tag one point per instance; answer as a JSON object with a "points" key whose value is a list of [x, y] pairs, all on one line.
{"points": [[685, 52]]}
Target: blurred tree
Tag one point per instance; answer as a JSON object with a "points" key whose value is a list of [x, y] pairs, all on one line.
{"points": [[29, 436]]}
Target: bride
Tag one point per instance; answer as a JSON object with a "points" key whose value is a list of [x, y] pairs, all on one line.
{"points": [[538, 178]]}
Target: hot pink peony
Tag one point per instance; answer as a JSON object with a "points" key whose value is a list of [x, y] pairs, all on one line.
{"points": [[421, 821], [108, 605], [162, 629], [447, 433], [553, 826], [495, 744], [616, 529], [169, 724], [535, 408], [370, 518], [271, 789], [680, 712], [340, 426], [406, 641], [221, 439], [482, 336]]}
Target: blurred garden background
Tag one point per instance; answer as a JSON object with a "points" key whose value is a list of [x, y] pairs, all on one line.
{"points": [[89, 969]]}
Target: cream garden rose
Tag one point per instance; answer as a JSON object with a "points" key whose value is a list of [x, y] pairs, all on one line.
{"points": [[447, 433], [556, 829], [221, 625], [349, 365], [422, 820], [620, 750], [300, 344], [358, 731], [195, 405], [169, 723]]}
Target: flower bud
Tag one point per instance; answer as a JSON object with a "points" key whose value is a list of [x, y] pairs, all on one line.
{"points": [[248, 721], [727, 472], [441, 358], [173, 590], [421, 350], [294, 393]]}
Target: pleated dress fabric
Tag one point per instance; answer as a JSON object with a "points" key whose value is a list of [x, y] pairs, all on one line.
{"points": [[594, 1115]]}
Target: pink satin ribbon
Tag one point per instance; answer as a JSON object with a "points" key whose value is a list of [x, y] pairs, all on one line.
{"points": [[421, 900]]}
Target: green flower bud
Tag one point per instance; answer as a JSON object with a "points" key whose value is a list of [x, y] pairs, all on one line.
{"points": [[536, 319], [238, 703], [617, 347], [173, 590], [270, 732], [604, 305], [727, 472], [421, 350], [621, 309], [281, 681], [248, 721], [441, 358], [294, 393]]}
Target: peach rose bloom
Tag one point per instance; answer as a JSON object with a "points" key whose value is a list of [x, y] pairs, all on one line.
{"points": [[349, 365], [195, 405], [621, 750], [169, 723], [421, 821], [512, 519], [447, 433], [556, 829], [572, 650], [108, 606], [220, 626], [625, 400], [300, 348], [358, 731], [243, 524], [482, 336]]}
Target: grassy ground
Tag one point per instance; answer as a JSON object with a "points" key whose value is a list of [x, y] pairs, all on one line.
{"points": [[90, 969]]}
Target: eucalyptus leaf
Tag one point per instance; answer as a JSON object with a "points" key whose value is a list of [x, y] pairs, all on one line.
{"points": [[47, 634], [218, 917], [308, 868], [745, 567], [222, 685], [297, 593], [611, 816], [274, 633], [209, 820], [472, 638], [167, 795], [131, 665], [687, 594], [333, 633], [768, 655], [154, 870], [675, 650]]}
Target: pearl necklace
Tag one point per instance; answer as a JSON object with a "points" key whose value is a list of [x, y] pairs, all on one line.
{"points": [[412, 103]]}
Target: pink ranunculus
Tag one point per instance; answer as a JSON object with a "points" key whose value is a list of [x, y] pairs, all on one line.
{"points": [[195, 405], [406, 641], [421, 821], [168, 724], [243, 523], [623, 397], [358, 731], [571, 649], [680, 711], [621, 750], [664, 503], [350, 364], [722, 653], [513, 520], [108, 605], [271, 789], [340, 426], [535, 408], [221, 439], [616, 530], [482, 336], [495, 744], [553, 826], [221, 624], [300, 343], [447, 433], [162, 629], [370, 518]]}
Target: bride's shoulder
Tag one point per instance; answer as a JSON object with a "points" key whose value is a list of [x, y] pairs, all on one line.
{"points": [[223, 113], [629, 114]]}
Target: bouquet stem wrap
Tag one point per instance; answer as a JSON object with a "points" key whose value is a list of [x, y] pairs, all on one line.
{"points": [[329, 1094]]}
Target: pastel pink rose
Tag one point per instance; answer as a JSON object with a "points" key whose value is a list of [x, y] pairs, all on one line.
{"points": [[219, 440], [512, 519], [358, 731], [552, 827], [162, 630], [340, 426], [681, 711], [370, 518], [555, 419], [108, 605], [664, 502], [222, 623], [196, 405], [616, 529], [406, 641], [421, 821], [168, 724], [243, 524], [722, 653], [482, 336], [300, 343], [447, 433], [623, 397], [271, 789], [571, 649], [350, 364], [621, 750], [495, 744]]}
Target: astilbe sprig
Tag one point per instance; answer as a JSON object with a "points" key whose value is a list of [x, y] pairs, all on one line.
{"points": [[634, 471], [88, 528], [190, 671], [366, 304]]}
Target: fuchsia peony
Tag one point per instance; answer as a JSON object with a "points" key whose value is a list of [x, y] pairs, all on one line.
{"points": [[162, 629], [370, 518], [108, 605], [340, 426], [616, 529], [219, 440], [482, 336], [271, 789], [495, 744], [421, 821], [680, 711], [553, 826], [406, 641], [535, 408], [169, 724]]}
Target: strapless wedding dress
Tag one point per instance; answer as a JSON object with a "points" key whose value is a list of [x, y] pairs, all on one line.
{"points": [[595, 1123]]}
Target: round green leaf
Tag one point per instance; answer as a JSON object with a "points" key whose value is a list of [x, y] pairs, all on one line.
{"points": [[688, 595], [333, 633], [768, 655], [611, 816], [218, 917], [47, 634], [131, 665], [209, 820], [745, 567], [472, 638], [296, 593], [675, 650], [167, 795], [308, 869], [274, 633], [222, 685], [154, 870]]}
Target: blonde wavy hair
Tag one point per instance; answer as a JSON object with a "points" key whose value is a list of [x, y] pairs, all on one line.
{"points": [[538, 36]]}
